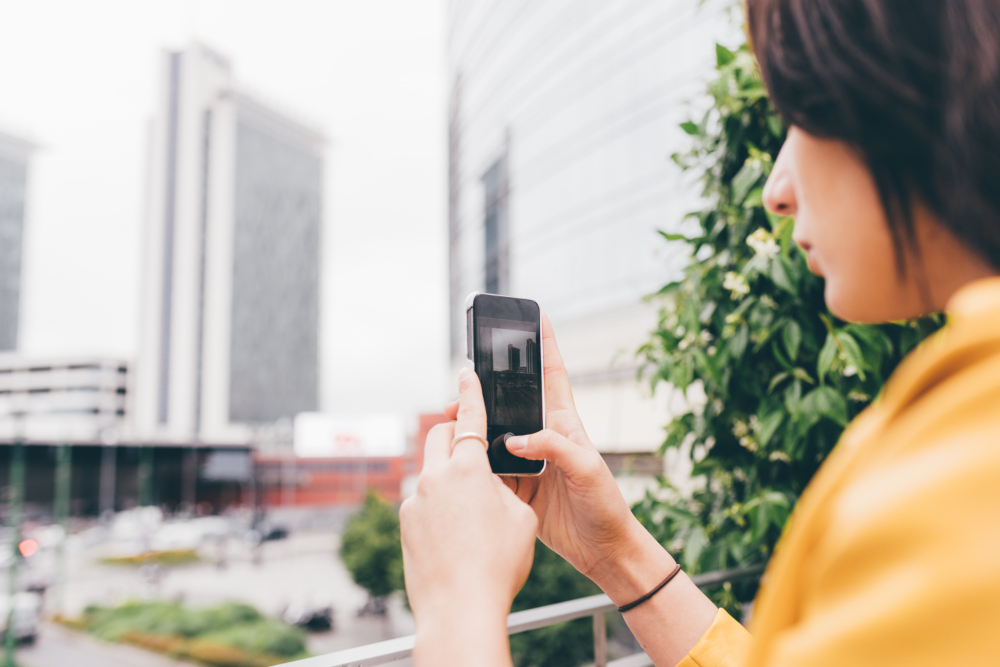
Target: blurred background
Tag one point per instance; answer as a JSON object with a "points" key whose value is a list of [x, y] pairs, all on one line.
{"points": [[236, 238]]}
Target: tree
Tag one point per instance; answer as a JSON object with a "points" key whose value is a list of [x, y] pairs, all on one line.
{"points": [[553, 580], [771, 376], [370, 550]]}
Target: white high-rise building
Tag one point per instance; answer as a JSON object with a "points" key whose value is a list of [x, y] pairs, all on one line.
{"points": [[14, 155], [230, 311], [563, 118]]}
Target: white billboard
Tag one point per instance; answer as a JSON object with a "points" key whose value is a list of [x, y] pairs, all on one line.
{"points": [[318, 434]]}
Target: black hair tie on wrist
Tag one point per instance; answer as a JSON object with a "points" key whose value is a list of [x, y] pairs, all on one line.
{"points": [[632, 605]]}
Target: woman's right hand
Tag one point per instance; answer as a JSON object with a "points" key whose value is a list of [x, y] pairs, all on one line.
{"points": [[581, 513]]}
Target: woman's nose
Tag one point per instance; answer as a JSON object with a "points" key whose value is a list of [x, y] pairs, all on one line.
{"points": [[779, 193]]}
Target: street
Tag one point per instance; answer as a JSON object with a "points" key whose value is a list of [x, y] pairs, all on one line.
{"points": [[302, 567]]}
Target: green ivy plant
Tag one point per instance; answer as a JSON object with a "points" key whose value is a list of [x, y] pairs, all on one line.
{"points": [[770, 375]]}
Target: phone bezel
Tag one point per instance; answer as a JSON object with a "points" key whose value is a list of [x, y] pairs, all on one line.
{"points": [[470, 360]]}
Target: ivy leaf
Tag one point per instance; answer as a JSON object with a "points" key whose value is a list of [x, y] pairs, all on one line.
{"points": [[723, 56], [793, 395], [776, 126], [755, 199], [776, 380], [675, 237], [680, 515], [826, 357], [792, 337], [738, 343], [691, 128], [747, 177], [780, 275], [852, 352], [801, 374], [827, 402], [693, 546], [769, 425]]}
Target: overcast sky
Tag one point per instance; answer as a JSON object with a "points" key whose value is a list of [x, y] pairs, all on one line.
{"points": [[80, 79]]}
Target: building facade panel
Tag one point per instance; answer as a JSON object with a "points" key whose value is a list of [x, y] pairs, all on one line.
{"points": [[13, 193], [582, 100], [275, 291]]}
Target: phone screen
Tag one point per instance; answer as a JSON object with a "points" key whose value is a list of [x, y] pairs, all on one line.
{"points": [[509, 364]]}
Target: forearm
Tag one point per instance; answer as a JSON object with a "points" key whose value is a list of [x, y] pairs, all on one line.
{"points": [[473, 637], [670, 623]]}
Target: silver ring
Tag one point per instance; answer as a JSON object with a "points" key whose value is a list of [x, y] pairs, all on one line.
{"points": [[467, 436]]}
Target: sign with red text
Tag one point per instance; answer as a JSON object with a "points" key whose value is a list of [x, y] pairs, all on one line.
{"points": [[323, 435]]}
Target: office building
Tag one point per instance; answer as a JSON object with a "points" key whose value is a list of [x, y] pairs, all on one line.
{"points": [[230, 310], [62, 400], [563, 117], [14, 156]]}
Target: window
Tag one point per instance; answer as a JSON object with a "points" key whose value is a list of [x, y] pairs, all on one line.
{"points": [[76, 367], [495, 227]]}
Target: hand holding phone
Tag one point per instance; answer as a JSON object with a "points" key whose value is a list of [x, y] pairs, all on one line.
{"points": [[467, 544]]}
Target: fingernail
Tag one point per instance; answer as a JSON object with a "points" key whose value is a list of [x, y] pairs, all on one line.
{"points": [[464, 373], [517, 443]]}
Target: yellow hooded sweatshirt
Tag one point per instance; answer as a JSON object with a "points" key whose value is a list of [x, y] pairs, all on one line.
{"points": [[892, 555]]}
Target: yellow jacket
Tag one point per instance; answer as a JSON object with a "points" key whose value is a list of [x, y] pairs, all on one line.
{"points": [[892, 556]]}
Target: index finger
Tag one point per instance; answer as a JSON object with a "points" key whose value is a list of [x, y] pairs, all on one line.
{"points": [[471, 416], [558, 394]]}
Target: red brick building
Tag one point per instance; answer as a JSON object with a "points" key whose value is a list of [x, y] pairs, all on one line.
{"points": [[340, 480]]}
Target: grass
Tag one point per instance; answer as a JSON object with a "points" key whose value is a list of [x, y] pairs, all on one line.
{"points": [[171, 557], [228, 635]]}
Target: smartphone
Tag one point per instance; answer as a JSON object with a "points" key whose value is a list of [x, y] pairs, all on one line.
{"points": [[505, 347]]}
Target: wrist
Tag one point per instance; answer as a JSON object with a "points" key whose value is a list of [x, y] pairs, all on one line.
{"points": [[635, 568], [462, 634]]}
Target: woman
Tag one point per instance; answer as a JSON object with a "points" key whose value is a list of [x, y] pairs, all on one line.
{"points": [[892, 172]]}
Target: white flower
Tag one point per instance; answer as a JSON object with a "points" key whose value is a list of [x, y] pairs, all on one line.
{"points": [[850, 371], [740, 429], [736, 284], [763, 243]]}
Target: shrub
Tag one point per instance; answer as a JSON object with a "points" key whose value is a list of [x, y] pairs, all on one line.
{"points": [[230, 635], [260, 636], [552, 580], [371, 550], [171, 557]]}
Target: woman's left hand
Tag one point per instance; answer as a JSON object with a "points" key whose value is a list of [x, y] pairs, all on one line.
{"points": [[468, 542]]}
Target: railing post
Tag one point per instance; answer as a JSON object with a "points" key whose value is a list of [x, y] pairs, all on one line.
{"points": [[600, 641]]}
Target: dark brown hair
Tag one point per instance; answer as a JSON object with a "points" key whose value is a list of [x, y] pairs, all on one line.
{"points": [[912, 85]]}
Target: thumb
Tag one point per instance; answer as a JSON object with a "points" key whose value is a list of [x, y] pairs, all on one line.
{"points": [[556, 448]]}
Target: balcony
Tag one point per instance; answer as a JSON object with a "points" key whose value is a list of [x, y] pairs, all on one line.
{"points": [[595, 606]]}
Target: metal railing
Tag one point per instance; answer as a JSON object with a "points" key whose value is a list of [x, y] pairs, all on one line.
{"points": [[594, 606]]}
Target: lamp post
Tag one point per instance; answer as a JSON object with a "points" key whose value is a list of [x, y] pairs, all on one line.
{"points": [[15, 514], [145, 475], [64, 471]]}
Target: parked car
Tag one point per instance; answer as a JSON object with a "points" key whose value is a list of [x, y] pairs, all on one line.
{"points": [[27, 616]]}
